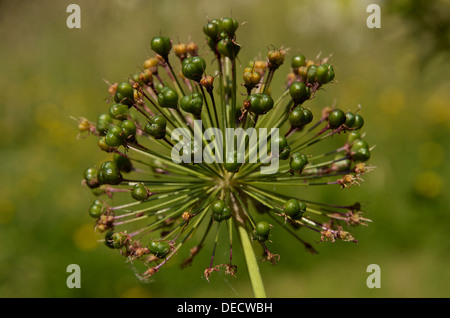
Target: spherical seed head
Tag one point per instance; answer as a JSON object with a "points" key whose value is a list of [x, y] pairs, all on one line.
{"points": [[186, 192]]}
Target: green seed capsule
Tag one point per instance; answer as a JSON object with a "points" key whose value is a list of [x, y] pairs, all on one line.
{"points": [[109, 173], [349, 119], [352, 137], [96, 209], [298, 162], [119, 239], [193, 68], [331, 74], [124, 94], [114, 140], [311, 73], [103, 145], [292, 208], [218, 206], [358, 144], [129, 129], [298, 60], [299, 92], [140, 192], [161, 45], [283, 148], [336, 118], [168, 98], [228, 48], [223, 215], [297, 117], [159, 248], [359, 122], [212, 30], [361, 154], [262, 231], [260, 103], [229, 26], [103, 123], [156, 126], [192, 104], [324, 73], [90, 177], [119, 111], [308, 115]]}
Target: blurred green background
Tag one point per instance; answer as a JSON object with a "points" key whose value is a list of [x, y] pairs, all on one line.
{"points": [[398, 73]]}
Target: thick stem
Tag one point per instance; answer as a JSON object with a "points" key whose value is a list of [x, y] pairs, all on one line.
{"points": [[252, 265], [249, 254]]}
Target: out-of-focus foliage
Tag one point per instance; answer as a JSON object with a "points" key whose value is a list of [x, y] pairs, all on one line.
{"points": [[50, 72]]}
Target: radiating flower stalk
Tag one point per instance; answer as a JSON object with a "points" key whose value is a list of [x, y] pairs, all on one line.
{"points": [[148, 206]]}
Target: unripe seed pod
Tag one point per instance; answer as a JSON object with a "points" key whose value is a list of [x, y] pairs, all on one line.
{"points": [[260, 103], [299, 92], [298, 162], [156, 127], [159, 248], [90, 177], [192, 104], [140, 192], [229, 26], [262, 231], [161, 45], [124, 94], [96, 209], [193, 68], [297, 61], [168, 98], [336, 118]]}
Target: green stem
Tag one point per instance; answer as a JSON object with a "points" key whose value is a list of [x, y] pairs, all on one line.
{"points": [[252, 265], [249, 254]]}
